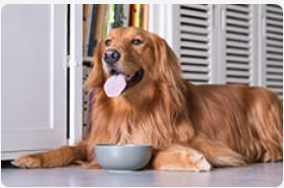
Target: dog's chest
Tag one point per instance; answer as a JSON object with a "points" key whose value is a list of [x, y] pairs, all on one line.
{"points": [[146, 129], [135, 132], [119, 124]]}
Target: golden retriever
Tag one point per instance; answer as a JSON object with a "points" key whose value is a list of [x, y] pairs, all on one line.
{"points": [[142, 98]]}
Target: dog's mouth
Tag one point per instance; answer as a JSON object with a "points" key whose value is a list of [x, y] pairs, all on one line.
{"points": [[118, 82]]}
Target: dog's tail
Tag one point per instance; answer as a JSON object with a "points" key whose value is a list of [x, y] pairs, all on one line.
{"points": [[59, 157]]}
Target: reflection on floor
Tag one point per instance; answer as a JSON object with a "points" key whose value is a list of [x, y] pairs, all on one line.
{"points": [[253, 175]]}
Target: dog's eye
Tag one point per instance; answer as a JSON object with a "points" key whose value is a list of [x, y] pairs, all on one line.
{"points": [[108, 42], [136, 41]]}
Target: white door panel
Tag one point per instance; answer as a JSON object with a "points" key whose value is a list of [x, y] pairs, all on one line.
{"points": [[33, 61]]}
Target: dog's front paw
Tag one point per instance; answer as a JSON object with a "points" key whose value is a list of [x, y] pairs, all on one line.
{"points": [[181, 158], [197, 162], [27, 162]]}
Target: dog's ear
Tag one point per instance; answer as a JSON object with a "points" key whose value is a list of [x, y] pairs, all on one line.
{"points": [[96, 76], [166, 62], [169, 71]]}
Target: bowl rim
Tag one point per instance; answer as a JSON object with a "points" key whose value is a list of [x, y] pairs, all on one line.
{"points": [[123, 145]]}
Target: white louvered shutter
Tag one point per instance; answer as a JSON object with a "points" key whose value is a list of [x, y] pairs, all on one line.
{"points": [[195, 34], [237, 49], [273, 60], [231, 44]]}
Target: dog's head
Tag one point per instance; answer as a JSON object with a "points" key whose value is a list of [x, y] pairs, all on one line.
{"points": [[132, 58]]}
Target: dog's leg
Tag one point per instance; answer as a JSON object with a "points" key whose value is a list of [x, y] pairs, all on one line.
{"points": [[93, 164], [178, 157], [217, 153], [60, 157]]}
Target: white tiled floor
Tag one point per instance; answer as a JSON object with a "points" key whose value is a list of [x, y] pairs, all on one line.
{"points": [[253, 175]]}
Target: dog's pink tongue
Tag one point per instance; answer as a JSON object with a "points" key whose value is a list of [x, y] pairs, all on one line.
{"points": [[115, 85]]}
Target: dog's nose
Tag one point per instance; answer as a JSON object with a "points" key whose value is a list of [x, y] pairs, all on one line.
{"points": [[111, 56]]}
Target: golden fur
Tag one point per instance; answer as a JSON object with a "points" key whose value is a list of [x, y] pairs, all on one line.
{"points": [[188, 125]]}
